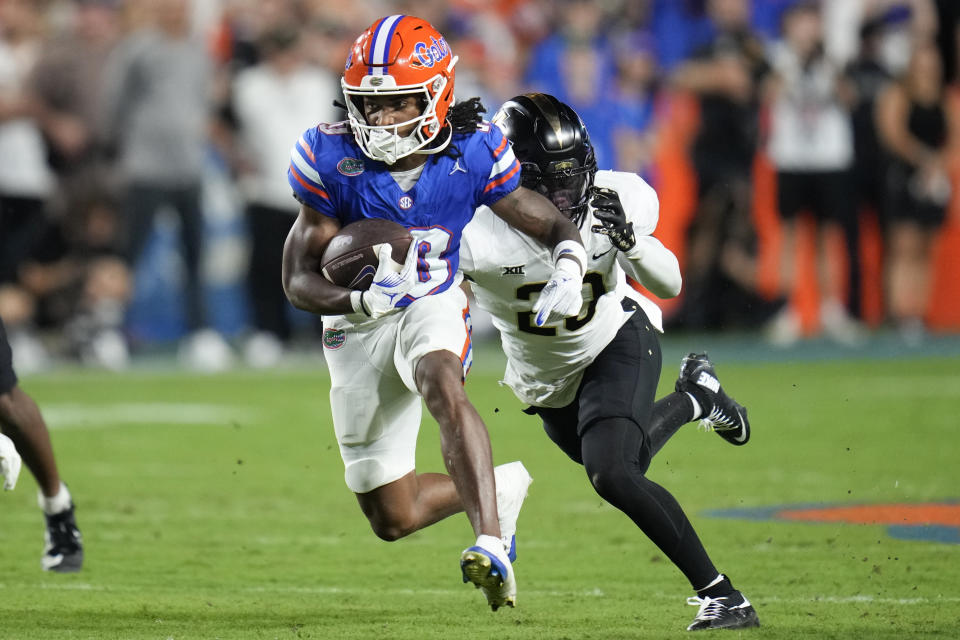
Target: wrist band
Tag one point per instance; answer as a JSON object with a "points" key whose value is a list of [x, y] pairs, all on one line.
{"points": [[571, 249], [356, 301]]}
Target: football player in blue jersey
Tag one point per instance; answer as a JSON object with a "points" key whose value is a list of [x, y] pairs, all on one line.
{"points": [[409, 155], [593, 379]]}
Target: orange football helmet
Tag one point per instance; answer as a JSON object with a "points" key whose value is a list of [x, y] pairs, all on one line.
{"points": [[399, 55]]}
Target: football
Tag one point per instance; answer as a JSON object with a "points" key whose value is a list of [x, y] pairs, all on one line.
{"points": [[350, 259]]}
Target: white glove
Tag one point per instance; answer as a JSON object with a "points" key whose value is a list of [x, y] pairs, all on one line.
{"points": [[562, 297], [10, 462], [391, 282]]}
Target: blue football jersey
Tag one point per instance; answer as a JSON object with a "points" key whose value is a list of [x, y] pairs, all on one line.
{"points": [[329, 173]]}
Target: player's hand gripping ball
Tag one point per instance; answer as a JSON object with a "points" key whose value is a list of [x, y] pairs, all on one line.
{"points": [[352, 256]]}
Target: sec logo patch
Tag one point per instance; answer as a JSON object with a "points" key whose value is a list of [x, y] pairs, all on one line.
{"points": [[405, 202], [333, 338]]}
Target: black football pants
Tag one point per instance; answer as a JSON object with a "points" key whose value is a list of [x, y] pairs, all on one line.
{"points": [[606, 429]]}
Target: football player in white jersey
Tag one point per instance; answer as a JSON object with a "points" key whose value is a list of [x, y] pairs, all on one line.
{"points": [[592, 378]]}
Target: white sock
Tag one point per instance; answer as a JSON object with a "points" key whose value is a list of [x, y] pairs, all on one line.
{"points": [[720, 577], [697, 409], [57, 503], [490, 543]]}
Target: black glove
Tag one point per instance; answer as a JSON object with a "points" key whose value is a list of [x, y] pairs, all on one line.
{"points": [[609, 211]]}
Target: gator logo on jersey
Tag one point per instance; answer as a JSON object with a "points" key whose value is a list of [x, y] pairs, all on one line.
{"points": [[333, 338], [513, 271], [405, 202], [350, 167]]}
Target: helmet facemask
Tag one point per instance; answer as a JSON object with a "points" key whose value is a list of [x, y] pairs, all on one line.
{"points": [[384, 142], [565, 183]]}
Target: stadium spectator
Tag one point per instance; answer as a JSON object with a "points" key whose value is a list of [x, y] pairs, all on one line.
{"points": [[867, 76], [634, 101], [156, 111], [492, 60], [67, 82], [914, 128], [79, 279], [811, 146], [22, 422], [678, 29], [273, 102], [592, 379], [407, 155], [727, 76], [576, 63], [26, 181], [331, 26], [78, 276]]}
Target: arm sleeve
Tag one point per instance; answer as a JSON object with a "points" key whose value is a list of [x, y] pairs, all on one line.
{"points": [[654, 266], [304, 176], [649, 262], [504, 174]]}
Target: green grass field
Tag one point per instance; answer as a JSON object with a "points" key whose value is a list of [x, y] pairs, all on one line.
{"points": [[214, 507]]}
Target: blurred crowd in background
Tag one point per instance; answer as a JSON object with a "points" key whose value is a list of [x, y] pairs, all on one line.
{"points": [[144, 147]]}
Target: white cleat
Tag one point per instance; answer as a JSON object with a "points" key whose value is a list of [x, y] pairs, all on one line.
{"points": [[513, 480]]}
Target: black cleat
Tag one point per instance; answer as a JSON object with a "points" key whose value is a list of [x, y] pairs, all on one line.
{"points": [[729, 612], [721, 413], [63, 551]]}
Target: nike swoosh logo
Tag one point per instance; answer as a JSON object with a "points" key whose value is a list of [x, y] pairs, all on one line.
{"points": [[597, 256], [743, 431]]}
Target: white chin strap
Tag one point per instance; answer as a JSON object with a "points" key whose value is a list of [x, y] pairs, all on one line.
{"points": [[389, 147]]}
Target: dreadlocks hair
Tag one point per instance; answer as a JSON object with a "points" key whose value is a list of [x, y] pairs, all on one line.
{"points": [[466, 116]]}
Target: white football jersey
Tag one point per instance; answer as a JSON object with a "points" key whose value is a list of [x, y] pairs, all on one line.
{"points": [[507, 269]]}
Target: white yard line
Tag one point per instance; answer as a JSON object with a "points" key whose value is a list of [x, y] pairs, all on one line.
{"points": [[591, 593], [85, 417]]}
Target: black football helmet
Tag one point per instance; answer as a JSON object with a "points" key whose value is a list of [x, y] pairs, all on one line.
{"points": [[554, 150]]}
